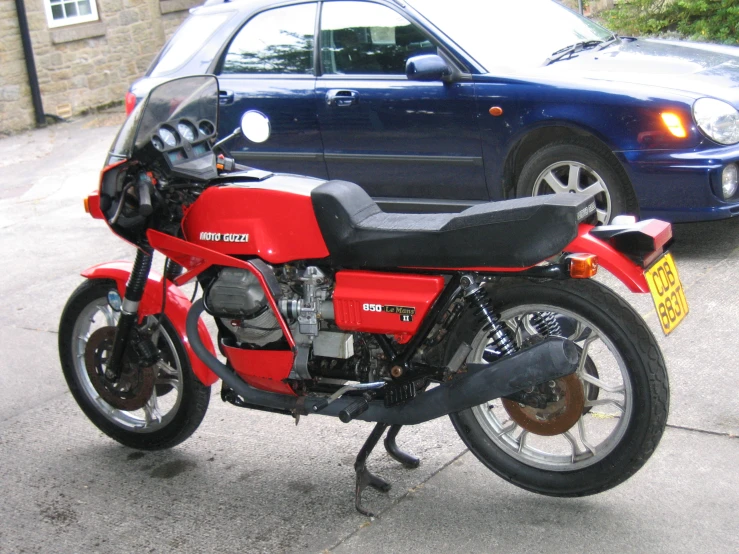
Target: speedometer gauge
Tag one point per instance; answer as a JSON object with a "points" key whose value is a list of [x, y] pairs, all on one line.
{"points": [[169, 138], [187, 131]]}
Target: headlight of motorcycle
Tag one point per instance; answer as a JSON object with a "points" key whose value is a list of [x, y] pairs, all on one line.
{"points": [[718, 120]]}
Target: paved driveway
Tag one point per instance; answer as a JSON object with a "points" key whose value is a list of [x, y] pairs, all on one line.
{"points": [[254, 482]]}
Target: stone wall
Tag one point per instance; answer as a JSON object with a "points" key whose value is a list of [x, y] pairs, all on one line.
{"points": [[16, 109], [81, 66]]}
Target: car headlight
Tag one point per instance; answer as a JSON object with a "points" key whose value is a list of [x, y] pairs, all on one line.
{"points": [[718, 120]]}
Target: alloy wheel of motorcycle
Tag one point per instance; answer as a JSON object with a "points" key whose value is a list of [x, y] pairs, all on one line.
{"points": [[535, 436], [582, 443], [174, 404]]}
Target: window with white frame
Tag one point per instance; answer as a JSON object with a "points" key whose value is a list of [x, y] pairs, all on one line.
{"points": [[68, 12]]}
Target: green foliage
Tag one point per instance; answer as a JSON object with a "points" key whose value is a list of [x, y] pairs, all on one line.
{"points": [[703, 20]]}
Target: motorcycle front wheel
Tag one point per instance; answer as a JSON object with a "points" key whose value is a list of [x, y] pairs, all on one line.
{"points": [[600, 425], [158, 407]]}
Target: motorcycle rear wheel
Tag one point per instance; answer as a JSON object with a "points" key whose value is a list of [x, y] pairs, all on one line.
{"points": [[178, 401], [616, 430]]}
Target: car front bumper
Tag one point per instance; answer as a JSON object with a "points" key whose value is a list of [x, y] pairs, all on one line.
{"points": [[681, 186]]}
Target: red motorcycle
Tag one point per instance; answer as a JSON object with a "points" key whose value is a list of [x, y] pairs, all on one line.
{"points": [[324, 304]]}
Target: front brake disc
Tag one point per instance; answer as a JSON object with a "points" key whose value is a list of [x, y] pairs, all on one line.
{"points": [[135, 385]]}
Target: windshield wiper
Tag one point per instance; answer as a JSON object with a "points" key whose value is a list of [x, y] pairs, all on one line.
{"points": [[614, 39], [572, 49]]}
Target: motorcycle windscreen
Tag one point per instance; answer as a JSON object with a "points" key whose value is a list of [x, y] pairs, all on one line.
{"points": [[194, 98]]}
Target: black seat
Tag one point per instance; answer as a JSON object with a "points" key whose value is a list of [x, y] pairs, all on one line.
{"points": [[511, 233]]}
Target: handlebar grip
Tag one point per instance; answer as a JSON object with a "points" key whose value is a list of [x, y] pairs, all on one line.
{"points": [[142, 186], [353, 410]]}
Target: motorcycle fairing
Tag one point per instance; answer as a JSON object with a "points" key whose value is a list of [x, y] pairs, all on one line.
{"points": [[176, 308], [515, 233]]}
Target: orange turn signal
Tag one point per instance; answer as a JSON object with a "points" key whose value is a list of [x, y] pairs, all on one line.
{"points": [[86, 202], [583, 266], [674, 124]]}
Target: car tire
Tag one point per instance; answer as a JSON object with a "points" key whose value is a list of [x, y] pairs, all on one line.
{"points": [[578, 165]]}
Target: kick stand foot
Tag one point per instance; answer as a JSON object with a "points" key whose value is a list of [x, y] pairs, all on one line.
{"points": [[364, 477], [408, 460]]}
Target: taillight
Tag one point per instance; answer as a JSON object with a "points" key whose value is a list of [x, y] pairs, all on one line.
{"points": [[130, 102]]}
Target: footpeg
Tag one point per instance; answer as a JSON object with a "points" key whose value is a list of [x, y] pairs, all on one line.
{"points": [[353, 410]]}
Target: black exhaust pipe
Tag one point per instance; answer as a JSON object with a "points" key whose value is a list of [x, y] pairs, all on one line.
{"points": [[551, 359]]}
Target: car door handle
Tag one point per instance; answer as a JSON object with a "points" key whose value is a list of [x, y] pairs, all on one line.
{"points": [[225, 97], [342, 98]]}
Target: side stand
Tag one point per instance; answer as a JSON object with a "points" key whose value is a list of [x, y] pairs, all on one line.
{"points": [[364, 477]]}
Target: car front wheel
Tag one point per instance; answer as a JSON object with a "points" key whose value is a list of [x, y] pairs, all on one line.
{"points": [[570, 167]]}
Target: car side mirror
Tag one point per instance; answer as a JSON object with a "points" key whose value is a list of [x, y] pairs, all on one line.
{"points": [[429, 67], [255, 126]]}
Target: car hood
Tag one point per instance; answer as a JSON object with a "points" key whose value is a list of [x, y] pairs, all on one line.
{"points": [[695, 68]]}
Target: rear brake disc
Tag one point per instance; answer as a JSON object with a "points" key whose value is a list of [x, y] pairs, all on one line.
{"points": [[558, 416]]}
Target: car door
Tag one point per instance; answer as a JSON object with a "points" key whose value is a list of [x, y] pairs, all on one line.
{"points": [[401, 140], [268, 66]]}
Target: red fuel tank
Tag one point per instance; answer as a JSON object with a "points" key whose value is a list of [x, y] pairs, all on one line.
{"points": [[388, 303], [272, 219]]}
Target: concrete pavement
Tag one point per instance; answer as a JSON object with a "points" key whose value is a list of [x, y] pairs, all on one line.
{"points": [[251, 481]]}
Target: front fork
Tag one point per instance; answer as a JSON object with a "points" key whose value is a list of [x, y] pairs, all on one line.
{"points": [[129, 312]]}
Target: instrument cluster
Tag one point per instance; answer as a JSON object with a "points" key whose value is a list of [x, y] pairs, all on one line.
{"points": [[182, 140]]}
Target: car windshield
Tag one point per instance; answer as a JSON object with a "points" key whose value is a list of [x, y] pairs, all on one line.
{"points": [[510, 34]]}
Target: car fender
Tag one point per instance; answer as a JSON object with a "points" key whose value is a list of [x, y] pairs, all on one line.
{"points": [[176, 307]]}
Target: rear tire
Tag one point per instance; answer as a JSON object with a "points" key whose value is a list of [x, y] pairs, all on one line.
{"points": [[620, 429], [179, 400]]}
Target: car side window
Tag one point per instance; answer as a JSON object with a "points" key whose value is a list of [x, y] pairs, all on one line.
{"points": [[276, 41], [360, 38]]}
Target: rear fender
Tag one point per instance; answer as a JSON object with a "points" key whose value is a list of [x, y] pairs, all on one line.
{"points": [[176, 308], [628, 272]]}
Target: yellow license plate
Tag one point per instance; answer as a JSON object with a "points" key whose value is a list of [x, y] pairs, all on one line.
{"points": [[667, 292]]}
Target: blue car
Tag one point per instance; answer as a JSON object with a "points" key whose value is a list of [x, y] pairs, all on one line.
{"points": [[433, 105]]}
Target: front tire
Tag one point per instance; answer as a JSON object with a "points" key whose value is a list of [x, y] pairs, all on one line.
{"points": [[178, 401], [617, 429]]}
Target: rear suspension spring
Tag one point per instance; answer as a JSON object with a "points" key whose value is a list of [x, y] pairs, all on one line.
{"points": [[499, 334], [546, 324]]}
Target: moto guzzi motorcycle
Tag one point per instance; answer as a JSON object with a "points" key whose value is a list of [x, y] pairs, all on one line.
{"points": [[326, 305]]}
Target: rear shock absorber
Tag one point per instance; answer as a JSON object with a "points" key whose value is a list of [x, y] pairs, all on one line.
{"points": [[546, 324], [499, 333]]}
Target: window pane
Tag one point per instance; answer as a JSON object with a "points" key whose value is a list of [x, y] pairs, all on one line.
{"points": [[275, 41], [84, 7], [368, 39], [70, 10], [57, 12]]}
